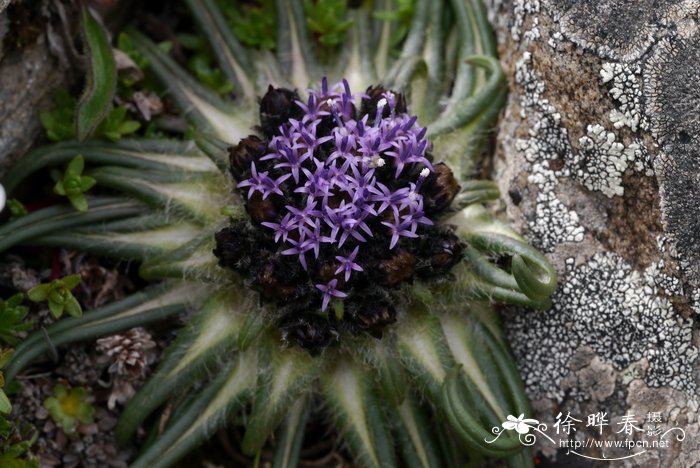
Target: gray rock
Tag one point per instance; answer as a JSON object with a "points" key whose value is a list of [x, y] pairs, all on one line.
{"points": [[599, 150], [29, 74]]}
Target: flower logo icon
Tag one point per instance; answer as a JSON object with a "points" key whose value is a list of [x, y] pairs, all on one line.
{"points": [[520, 424]]}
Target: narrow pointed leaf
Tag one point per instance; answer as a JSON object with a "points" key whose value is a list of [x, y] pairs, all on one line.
{"points": [[101, 80], [231, 56], [291, 436], [423, 350], [210, 334], [465, 75], [380, 354], [416, 437], [294, 49], [140, 308], [356, 60], [468, 109], [199, 105], [358, 414], [135, 244], [208, 411], [58, 218], [467, 350], [193, 260], [162, 155], [287, 374], [464, 418], [196, 196]]}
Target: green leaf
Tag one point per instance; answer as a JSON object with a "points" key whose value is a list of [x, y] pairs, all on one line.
{"points": [[325, 17], [71, 281], [39, 293], [125, 45], [139, 309], [79, 202], [73, 307], [58, 295], [129, 126], [59, 189], [74, 184], [252, 24], [11, 315], [17, 209], [116, 125], [5, 405], [59, 123], [86, 183], [76, 166], [101, 79], [56, 308], [5, 356]]}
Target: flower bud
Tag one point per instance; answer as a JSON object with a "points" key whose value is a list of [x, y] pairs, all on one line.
{"points": [[275, 283], [397, 268], [440, 254], [261, 210], [371, 315], [310, 331], [241, 156], [439, 189], [376, 94], [327, 273], [276, 108], [234, 246]]}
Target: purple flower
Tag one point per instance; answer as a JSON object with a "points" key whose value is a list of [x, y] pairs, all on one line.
{"points": [[400, 227], [347, 264], [300, 247], [315, 238], [388, 198], [329, 291], [283, 228], [306, 214], [262, 183], [335, 196]]}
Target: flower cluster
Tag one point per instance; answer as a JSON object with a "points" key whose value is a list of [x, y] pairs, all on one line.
{"points": [[347, 194]]}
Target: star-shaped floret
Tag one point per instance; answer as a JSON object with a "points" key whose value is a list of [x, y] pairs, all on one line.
{"points": [[261, 182], [329, 291], [347, 264]]}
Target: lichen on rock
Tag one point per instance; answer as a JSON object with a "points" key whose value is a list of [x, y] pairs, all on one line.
{"points": [[598, 151]]}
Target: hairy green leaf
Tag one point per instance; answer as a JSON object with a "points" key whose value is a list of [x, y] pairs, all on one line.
{"points": [[101, 80]]}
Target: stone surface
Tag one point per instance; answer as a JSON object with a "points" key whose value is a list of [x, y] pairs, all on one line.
{"points": [[599, 151], [29, 73]]}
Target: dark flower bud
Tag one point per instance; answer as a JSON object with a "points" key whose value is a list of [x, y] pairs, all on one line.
{"points": [[235, 246], [397, 268], [275, 283], [377, 93], [327, 273], [440, 253], [439, 189], [243, 154], [261, 210], [276, 108], [308, 331], [371, 315]]}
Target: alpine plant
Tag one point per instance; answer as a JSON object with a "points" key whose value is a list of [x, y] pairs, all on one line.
{"points": [[324, 241]]}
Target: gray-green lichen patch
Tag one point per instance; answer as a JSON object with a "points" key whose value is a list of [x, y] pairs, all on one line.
{"points": [[626, 90], [601, 160], [603, 129], [619, 313], [616, 29], [671, 78], [546, 149]]}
